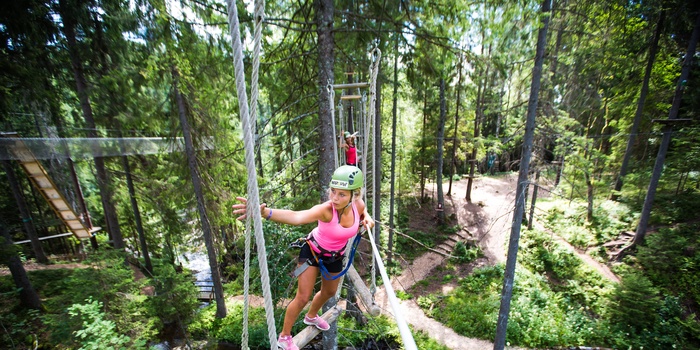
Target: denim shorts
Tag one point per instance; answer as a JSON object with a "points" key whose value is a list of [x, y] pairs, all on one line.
{"points": [[305, 254]]}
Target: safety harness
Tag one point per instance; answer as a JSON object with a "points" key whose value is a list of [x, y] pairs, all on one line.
{"points": [[325, 255]]}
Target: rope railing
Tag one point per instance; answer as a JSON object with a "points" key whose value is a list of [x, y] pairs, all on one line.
{"points": [[253, 203], [406, 335], [259, 17]]}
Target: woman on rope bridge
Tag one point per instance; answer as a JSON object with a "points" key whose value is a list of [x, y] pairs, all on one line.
{"points": [[350, 149], [339, 219]]}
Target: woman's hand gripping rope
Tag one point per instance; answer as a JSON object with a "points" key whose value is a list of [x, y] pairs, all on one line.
{"points": [[240, 209], [366, 221]]}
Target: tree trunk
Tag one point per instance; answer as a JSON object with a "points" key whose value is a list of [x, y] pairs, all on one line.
{"points": [[137, 212], [589, 197], [423, 166], [440, 144], [82, 92], [24, 212], [535, 189], [326, 60], [455, 142], [640, 107], [509, 275], [390, 244], [481, 91], [28, 296], [199, 194], [666, 139]]}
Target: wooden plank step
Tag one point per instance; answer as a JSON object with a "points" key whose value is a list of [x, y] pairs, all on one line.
{"points": [[309, 333]]}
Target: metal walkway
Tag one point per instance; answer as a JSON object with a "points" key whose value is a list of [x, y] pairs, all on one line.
{"points": [[41, 180]]}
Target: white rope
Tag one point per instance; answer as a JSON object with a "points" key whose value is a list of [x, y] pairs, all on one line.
{"points": [[259, 16], [374, 71], [253, 204], [341, 123], [362, 127], [331, 101], [406, 336]]}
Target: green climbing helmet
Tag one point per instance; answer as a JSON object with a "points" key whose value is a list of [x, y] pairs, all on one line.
{"points": [[346, 134], [347, 177]]}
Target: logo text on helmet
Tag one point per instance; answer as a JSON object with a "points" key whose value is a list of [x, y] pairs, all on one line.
{"points": [[339, 183]]}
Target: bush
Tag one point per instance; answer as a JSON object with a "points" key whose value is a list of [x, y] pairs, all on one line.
{"points": [[97, 331], [671, 259], [464, 253], [230, 328], [634, 304]]}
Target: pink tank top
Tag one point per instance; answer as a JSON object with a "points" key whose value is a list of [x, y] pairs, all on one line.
{"points": [[351, 155], [331, 235]]}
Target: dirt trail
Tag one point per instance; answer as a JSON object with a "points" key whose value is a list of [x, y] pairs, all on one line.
{"points": [[486, 220], [31, 266]]}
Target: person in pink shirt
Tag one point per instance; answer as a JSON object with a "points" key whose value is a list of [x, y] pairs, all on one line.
{"points": [[350, 149], [339, 219]]}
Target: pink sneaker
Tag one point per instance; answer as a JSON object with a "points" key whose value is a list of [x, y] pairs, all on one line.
{"points": [[318, 322], [286, 343]]}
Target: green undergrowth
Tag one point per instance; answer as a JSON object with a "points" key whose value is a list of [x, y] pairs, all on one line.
{"points": [[416, 231], [559, 301], [376, 331], [568, 220], [94, 307]]}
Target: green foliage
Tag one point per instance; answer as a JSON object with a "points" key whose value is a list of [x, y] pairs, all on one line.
{"points": [[22, 327], [464, 253], [402, 295], [427, 303], [671, 260], [541, 254], [115, 304], [568, 220], [379, 331], [175, 299], [410, 249], [471, 309], [569, 224], [97, 332], [646, 319], [670, 208], [230, 328]]}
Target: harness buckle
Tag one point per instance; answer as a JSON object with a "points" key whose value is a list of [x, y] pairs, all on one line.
{"points": [[299, 243]]}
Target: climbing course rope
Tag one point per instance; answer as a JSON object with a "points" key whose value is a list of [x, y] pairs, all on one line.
{"points": [[374, 71], [259, 16], [331, 99], [253, 203], [341, 122], [406, 336]]}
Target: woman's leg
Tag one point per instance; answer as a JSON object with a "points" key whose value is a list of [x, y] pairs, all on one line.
{"points": [[305, 286], [328, 289]]}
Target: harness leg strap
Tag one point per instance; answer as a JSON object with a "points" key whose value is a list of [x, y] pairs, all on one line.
{"points": [[301, 268]]}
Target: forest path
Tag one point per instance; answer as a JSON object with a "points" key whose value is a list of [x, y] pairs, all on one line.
{"points": [[485, 220], [32, 266]]}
